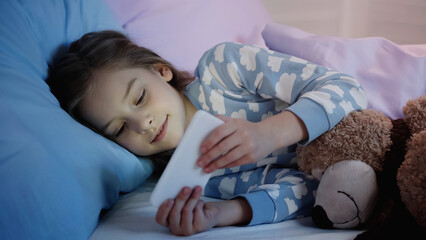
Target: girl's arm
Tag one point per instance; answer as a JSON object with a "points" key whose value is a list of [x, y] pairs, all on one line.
{"points": [[306, 100]]}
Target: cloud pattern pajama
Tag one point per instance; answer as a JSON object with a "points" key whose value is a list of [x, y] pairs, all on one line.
{"points": [[249, 82]]}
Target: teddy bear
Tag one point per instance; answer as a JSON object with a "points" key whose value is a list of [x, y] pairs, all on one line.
{"points": [[372, 173]]}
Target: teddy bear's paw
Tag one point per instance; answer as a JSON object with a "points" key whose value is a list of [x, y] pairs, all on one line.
{"points": [[317, 173], [346, 195]]}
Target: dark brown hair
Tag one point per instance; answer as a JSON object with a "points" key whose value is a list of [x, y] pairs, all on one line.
{"points": [[71, 76]]}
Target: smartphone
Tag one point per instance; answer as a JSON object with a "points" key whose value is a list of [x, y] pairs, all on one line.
{"points": [[182, 170]]}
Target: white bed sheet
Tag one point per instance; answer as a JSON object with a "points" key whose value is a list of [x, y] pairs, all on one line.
{"points": [[133, 217]]}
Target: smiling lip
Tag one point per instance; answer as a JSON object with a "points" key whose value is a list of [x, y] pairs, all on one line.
{"points": [[162, 131]]}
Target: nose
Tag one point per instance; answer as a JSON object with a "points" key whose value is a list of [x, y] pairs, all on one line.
{"points": [[320, 218], [140, 123]]}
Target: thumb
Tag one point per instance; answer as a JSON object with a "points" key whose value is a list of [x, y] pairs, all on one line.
{"points": [[223, 118]]}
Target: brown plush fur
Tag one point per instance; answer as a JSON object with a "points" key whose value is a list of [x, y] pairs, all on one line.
{"points": [[401, 210], [411, 178], [385, 223], [363, 135], [415, 114], [400, 146]]}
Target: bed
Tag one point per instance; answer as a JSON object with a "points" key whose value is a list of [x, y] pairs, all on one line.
{"points": [[123, 221], [60, 180]]}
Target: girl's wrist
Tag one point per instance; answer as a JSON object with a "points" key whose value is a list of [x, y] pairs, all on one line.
{"points": [[285, 129], [232, 212]]}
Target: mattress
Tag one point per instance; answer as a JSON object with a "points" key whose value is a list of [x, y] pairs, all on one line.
{"points": [[133, 217]]}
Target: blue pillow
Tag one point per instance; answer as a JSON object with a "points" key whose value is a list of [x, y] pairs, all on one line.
{"points": [[55, 174]]}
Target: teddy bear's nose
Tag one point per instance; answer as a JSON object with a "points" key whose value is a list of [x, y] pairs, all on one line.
{"points": [[319, 216]]}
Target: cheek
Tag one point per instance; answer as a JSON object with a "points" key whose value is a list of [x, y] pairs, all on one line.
{"points": [[141, 148], [136, 146], [174, 137], [172, 142]]}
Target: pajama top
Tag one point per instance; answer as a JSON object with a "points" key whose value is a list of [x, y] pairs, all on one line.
{"points": [[248, 82]]}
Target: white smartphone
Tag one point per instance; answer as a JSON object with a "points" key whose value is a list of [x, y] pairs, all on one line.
{"points": [[182, 170]]}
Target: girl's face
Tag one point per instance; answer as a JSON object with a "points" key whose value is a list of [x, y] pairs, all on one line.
{"points": [[137, 108]]}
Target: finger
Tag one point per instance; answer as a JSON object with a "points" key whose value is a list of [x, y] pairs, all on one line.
{"points": [[216, 136], [163, 212], [223, 118], [222, 147], [227, 159], [188, 211], [174, 218], [243, 153], [241, 161], [198, 213]]}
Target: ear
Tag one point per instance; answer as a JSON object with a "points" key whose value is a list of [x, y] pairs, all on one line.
{"points": [[164, 71]]}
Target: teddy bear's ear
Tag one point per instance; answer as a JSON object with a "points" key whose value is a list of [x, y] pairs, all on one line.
{"points": [[415, 114]]}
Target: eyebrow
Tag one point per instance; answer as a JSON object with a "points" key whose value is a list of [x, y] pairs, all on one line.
{"points": [[129, 87]]}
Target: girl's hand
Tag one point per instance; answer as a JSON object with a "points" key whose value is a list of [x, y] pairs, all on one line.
{"points": [[187, 214], [234, 143]]}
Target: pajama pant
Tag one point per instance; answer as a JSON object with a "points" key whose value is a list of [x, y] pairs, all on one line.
{"points": [[274, 194]]}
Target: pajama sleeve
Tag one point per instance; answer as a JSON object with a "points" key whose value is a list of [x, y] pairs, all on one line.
{"points": [[319, 96]]}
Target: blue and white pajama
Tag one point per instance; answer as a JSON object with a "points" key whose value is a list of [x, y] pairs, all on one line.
{"points": [[243, 81]]}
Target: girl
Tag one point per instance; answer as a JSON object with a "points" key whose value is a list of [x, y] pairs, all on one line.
{"points": [[269, 101]]}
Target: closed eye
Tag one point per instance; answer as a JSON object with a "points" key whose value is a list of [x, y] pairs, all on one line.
{"points": [[141, 98], [120, 130]]}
